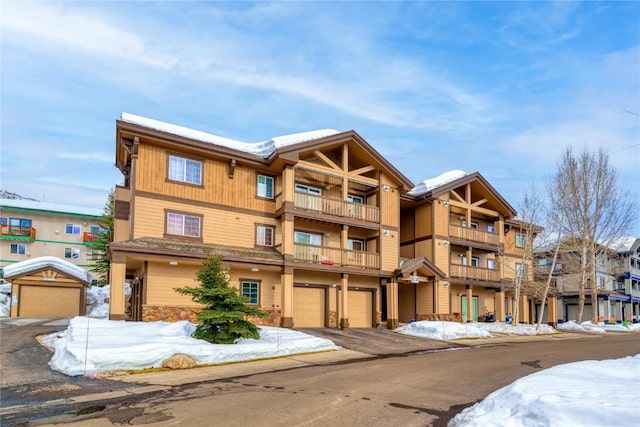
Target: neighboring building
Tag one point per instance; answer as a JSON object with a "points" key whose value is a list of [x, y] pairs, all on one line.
{"points": [[467, 230], [617, 278], [32, 229], [310, 228]]}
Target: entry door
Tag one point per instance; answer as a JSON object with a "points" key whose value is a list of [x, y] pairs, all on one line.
{"points": [[474, 307]]}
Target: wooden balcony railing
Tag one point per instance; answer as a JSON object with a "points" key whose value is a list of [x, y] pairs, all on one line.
{"points": [[16, 232], [473, 234], [334, 256], [475, 273], [339, 207]]}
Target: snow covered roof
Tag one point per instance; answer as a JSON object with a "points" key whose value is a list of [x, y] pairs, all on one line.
{"points": [[262, 149], [50, 207], [40, 263], [623, 244], [431, 183]]}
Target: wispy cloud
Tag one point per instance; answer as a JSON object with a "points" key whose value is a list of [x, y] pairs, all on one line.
{"points": [[90, 156]]}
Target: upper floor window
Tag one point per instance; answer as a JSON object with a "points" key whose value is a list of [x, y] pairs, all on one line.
{"points": [[521, 240], [491, 264], [265, 235], [301, 188], [265, 186], [491, 228], [355, 244], [18, 249], [71, 253], [475, 261], [474, 225], [183, 225], [185, 170], [307, 238], [72, 228], [251, 290], [96, 230], [355, 199]]}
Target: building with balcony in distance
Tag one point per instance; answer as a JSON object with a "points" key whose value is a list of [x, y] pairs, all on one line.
{"points": [[316, 228], [617, 278], [468, 232], [32, 229]]}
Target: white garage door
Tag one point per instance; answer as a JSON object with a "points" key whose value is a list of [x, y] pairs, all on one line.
{"points": [[360, 309], [308, 307], [48, 301]]}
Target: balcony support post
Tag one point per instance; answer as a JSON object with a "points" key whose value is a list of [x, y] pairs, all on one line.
{"points": [[499, 306], [287, 320], [392, 304], [469, 303], [344, 301]]}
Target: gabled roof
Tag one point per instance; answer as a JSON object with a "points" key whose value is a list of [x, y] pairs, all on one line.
{"points": [[435, 187], [264, 152], [408, 266], [41, 263]]}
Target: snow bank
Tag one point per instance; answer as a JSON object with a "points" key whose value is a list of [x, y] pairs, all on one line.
{"points": [[564, 395], [507, 329], [90, 346], [443, 330]]}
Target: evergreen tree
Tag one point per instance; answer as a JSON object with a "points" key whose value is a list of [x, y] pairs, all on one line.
{"points": [[223, 320], [102, 264]]}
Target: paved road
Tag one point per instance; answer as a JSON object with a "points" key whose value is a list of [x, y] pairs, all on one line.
{"points": [[417, 389]]}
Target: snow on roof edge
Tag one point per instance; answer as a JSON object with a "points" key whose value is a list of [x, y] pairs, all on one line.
{"points": [[38, 263], [438, 181], [262, 149]]}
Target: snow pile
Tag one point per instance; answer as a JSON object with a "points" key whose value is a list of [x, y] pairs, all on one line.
{"points": [[98, 301], [429, 184], [443, 330], [572, 326], [44, 262], [5, 305], [565, 395], [507, 329], [90, 346], [263, 149]]}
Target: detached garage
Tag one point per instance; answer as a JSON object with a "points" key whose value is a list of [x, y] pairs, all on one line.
{"points": [[47, 287]]}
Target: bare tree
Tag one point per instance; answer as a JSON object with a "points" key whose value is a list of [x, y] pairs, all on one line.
{"points": [[585, 192], [530, 213]]}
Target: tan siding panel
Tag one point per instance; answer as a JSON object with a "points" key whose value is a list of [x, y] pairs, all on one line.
{"points": [[162, 278]]}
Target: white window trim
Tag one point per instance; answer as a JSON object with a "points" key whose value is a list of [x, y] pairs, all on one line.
{"points": [[18, 246], [74, 228], [311, 238], [72, 252], [261, 235], [302, 188], [181, 175], [262, 188], [183, 218]]}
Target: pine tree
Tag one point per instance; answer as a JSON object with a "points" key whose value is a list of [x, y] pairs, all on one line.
{"points": [[99, 242], [223, 320]]}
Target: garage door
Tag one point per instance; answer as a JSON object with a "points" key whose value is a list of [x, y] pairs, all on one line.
{"points": [[360, 309], [48, 301], [308, 307], [572, 312]]}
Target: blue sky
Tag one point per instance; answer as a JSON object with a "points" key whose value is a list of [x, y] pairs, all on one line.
{"points": [[500, 88]]}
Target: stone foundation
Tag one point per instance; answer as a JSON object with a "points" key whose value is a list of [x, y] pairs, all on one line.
{"points": [[154, 313], [446, 317]]}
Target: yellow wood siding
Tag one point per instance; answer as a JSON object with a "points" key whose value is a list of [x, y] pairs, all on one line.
{"points": [[217, 187], [360, 309], [407, 251], [221, 227], [424, 294], [162, 278], [423, 220]]}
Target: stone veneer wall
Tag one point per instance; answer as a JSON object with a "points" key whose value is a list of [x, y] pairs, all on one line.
{"points": [[448, 317], [153, 313]]}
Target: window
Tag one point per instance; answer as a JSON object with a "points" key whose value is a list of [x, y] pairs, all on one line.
{"points": [[475, 261], [185, 170], [19, 226], [4, 221], [307, 238], [264, 235], [522, 271], [71, 253], [491, 228], [491, 264], [72, 228], [97, 230], [355, 244], [251, 290], [474, 225], [355, 199], [183, 225], [18, 249], [301, 188], [265, 186], [521, 239]]}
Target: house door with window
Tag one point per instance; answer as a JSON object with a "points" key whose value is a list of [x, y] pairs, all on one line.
{"points": [[307, 247], [308, 197], [355, 205], [474, 307], [355, 253]]}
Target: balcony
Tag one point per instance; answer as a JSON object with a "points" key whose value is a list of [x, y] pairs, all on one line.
{"points": [[474, 235], [337, 207], [333, 256], [89, 239], [16, 232], [474, 273]]}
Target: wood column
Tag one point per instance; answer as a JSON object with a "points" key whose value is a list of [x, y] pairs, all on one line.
{"points": [[392, 304], [117, 274], [499, 304], [344, 301], [552, 311], [469, 303], [287, 320]]}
